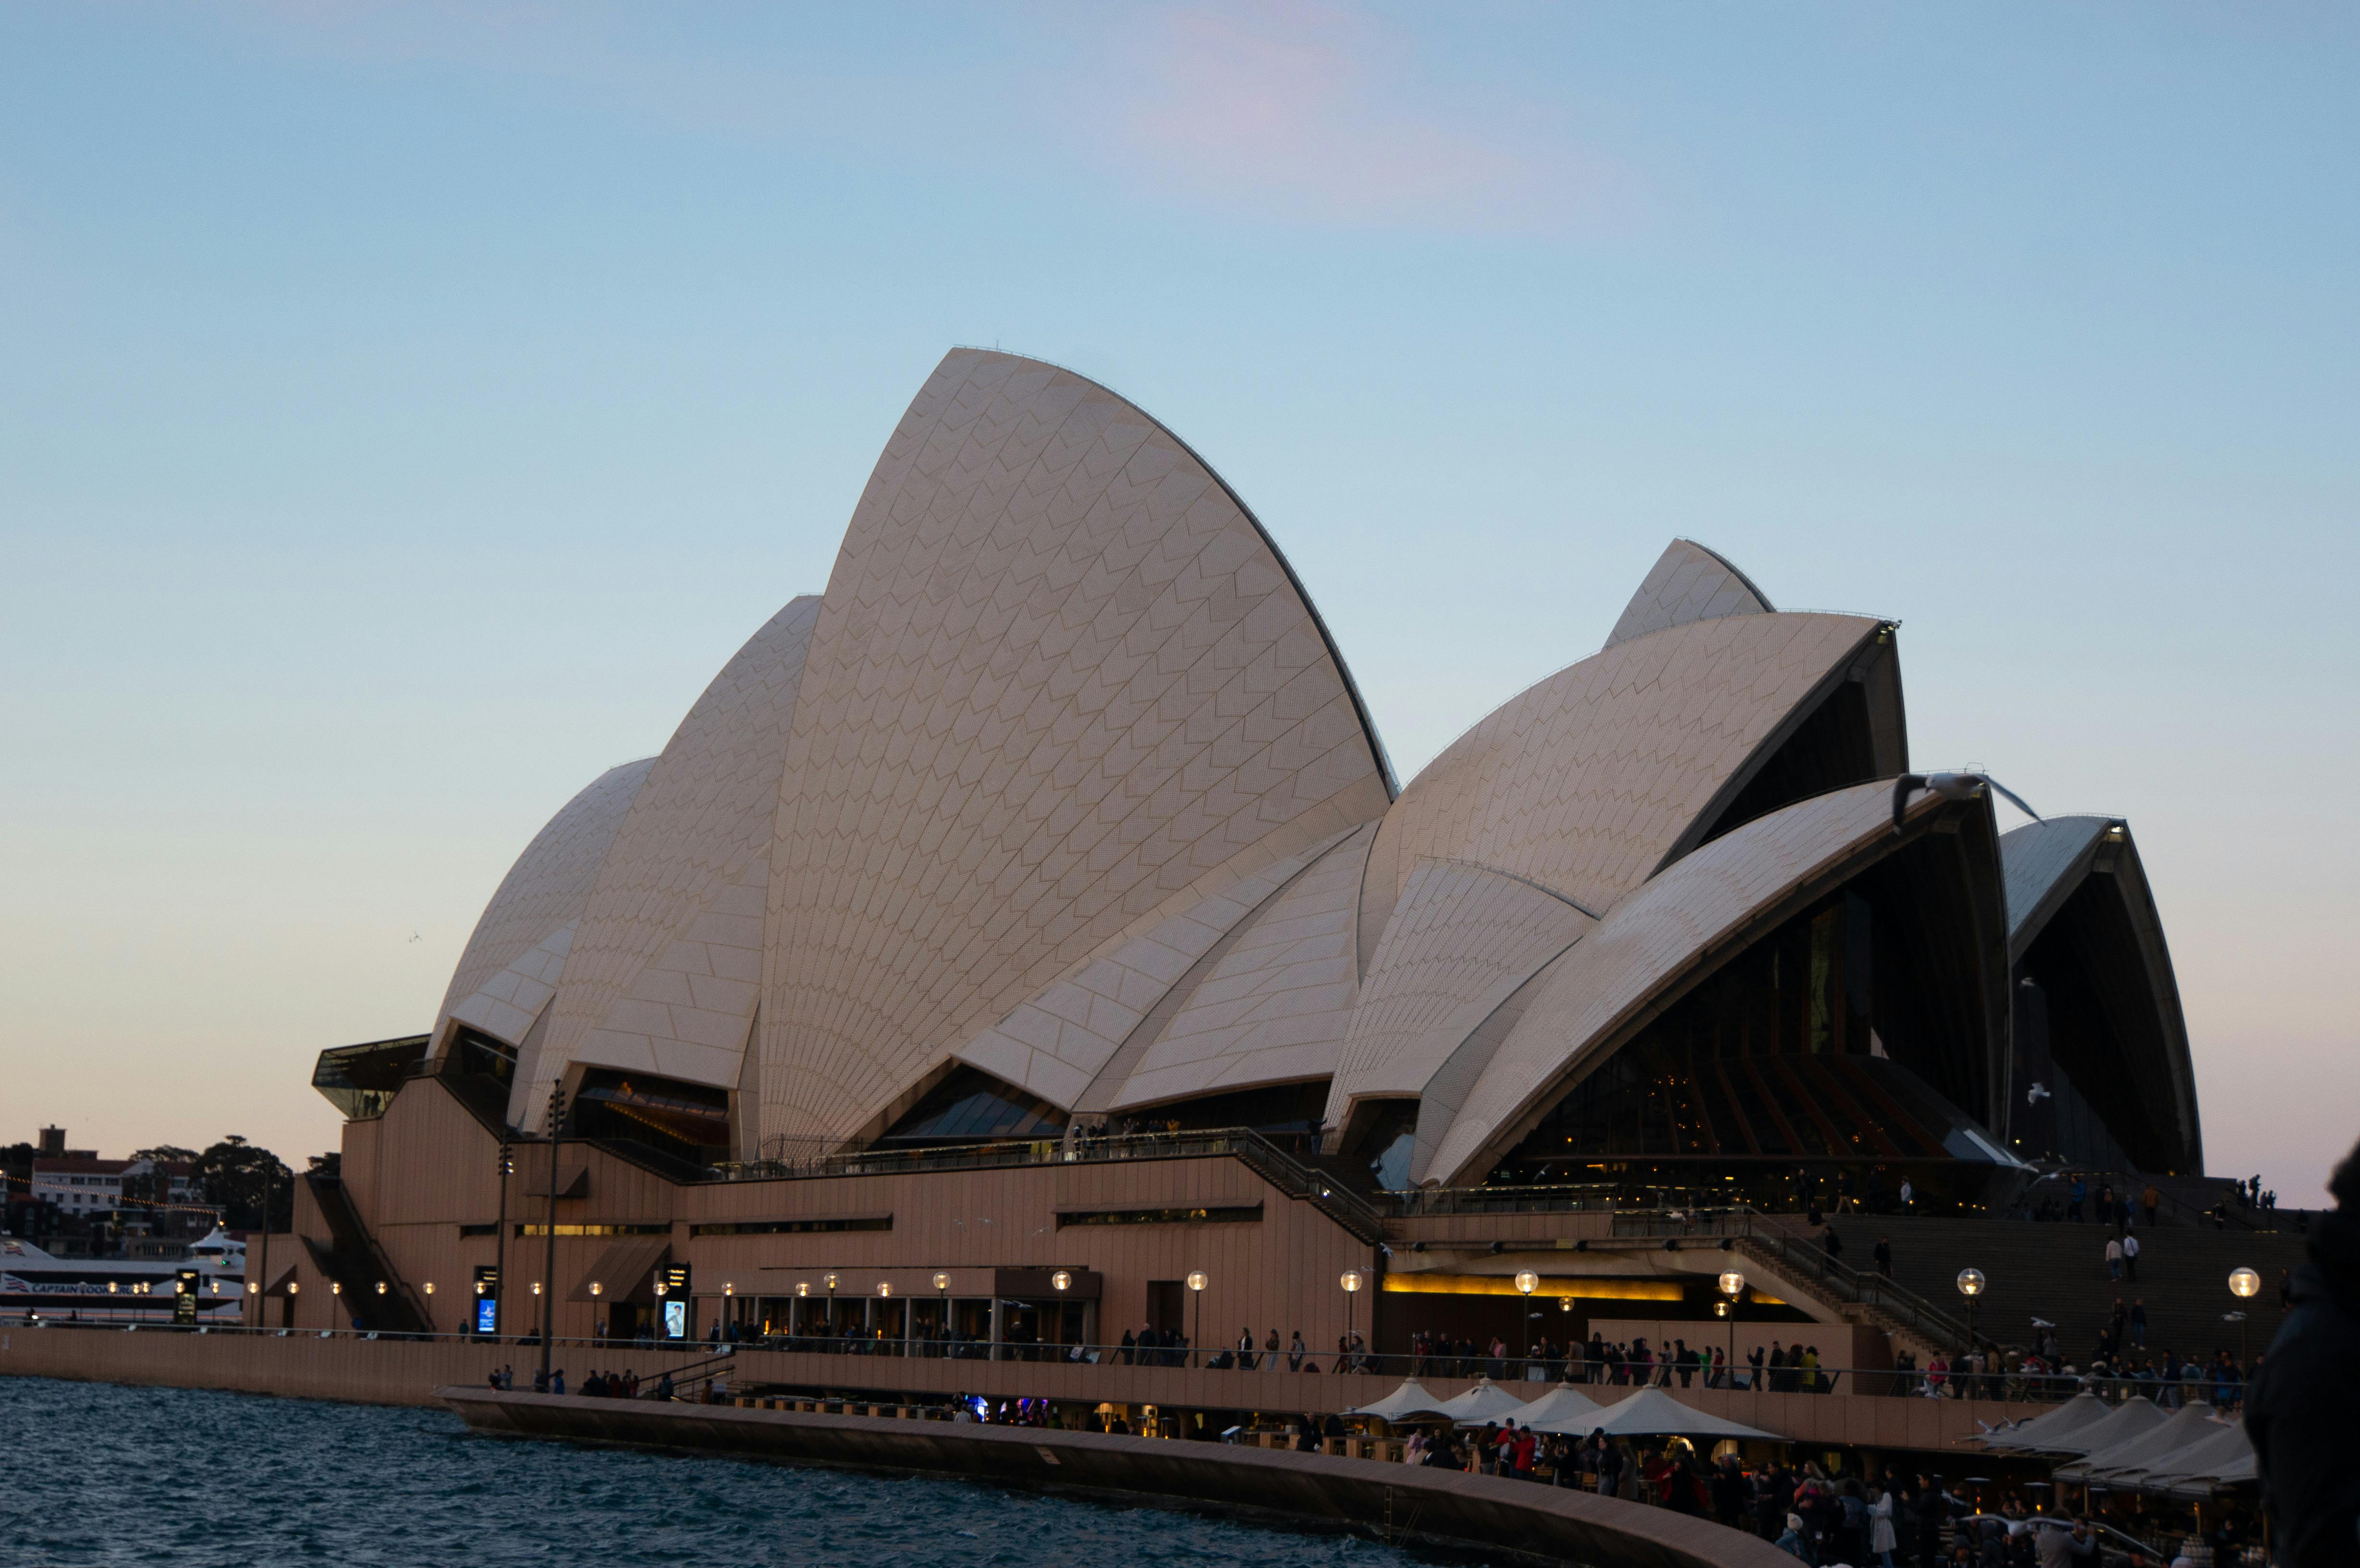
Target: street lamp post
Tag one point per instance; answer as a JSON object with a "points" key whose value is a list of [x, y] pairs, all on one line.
{"points": [[2243, 1284], [942, 1284], [1351, 1281], [1732, 1284], [1971, 1286], [831, 1312], [1197, 1283], [500, 1240], [1526, 1283], [549, 1253]]}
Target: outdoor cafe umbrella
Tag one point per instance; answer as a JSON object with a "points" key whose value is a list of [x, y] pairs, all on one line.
{"points": [[2131, 1417], [1405, 1403], [2186, 1425], [2224, 1456], [1651, 1412], [2080, 1411], [1562, 1408], [1483, 1402]]}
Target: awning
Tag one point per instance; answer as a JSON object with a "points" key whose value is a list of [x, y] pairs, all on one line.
{"points": [[2080, 1411], [1563, 1409], [1405, 1403], [1486, 1401], [2191, 1424], [2133, 1417], [626, 1272], [1651, 1412]]}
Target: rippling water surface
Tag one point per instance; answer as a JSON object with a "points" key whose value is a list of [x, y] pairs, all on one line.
{"points": [[90, 1472]]}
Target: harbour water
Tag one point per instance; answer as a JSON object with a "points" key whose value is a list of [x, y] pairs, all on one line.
{"points": [[104, 1475]]}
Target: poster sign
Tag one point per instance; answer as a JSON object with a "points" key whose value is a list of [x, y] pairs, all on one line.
{"points": [[675, 1318]]}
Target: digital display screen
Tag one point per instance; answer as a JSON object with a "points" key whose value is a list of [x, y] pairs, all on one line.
{"points": [[675, 1315], [488, 1315]]}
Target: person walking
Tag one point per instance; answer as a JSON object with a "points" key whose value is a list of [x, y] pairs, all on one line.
{"points": [[2130, 1257], [2138, 1324], [1296, 1351], [1884, 1255], [1882, 1539], [2113, 1259], [2150, 1201]]}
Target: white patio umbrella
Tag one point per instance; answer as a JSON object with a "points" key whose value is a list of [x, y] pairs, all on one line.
{"points": [[1405, 1403], [1651, 1412], [2131, 1417], [1563, 1409], [1483, 1402], [2191, 1424], [2080, 1411]]}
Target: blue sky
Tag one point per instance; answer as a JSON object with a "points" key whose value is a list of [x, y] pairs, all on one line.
{"points": [[404, 409]]}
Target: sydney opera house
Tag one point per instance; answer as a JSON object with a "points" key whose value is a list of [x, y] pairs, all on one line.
{"points": [[1037, 903]]}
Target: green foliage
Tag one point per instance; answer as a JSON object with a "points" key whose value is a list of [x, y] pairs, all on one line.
{"points": [[238, 1174]]}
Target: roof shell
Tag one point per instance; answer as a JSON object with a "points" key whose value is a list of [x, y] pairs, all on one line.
{"points": [[1584, 783], [667, 963], [1672, 929], [547, 887], [1061, 688], [1687, 582]]}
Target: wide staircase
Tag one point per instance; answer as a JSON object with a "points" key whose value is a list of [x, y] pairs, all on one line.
{"points": [[353, 1261], [2057, 1272]]}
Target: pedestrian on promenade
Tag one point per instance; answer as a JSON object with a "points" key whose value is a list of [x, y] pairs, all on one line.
{"points": [[2113, 1259], [2150, 1201], [1295, 1352], [2138, 1324], [2130, 1257], [1884, 1255]]}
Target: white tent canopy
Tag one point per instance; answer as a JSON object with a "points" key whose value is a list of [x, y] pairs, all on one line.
{"points": [[1405, 1403], [1563, 1409], [2133, 1417], [2223, 1456], [1485, 1401], [2192, 1423], [1651, 1412], [2080, 1411]]}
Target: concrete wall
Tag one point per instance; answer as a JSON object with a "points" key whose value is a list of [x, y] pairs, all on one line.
{"points": [[1388, 1501]]}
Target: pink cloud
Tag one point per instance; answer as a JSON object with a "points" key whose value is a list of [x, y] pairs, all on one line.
{"points": [[1322, 113]]}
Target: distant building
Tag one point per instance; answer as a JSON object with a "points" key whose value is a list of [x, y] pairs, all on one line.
{"points": [[81, 1186]]}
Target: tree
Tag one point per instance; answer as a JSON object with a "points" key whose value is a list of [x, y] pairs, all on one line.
{"points": [[237, 1174], [156, 1187]]}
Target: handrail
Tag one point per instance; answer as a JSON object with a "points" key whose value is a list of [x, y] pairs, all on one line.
{"points": [[1535, 1373], [1868, 1290]]}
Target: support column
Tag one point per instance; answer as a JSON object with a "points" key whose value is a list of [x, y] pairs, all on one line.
{"points": [[995, 1325]]}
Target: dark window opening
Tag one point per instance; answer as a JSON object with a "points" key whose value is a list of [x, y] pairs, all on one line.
{"points": [[1853, 1033], [1291, 1112], [1833, 748], [681, 1121], [1249, 1214], [793, 1227], [973, 1107], [482, 1055], [2093, 1023]]}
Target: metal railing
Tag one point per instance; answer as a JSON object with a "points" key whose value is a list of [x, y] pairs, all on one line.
{"points": [[1533, 1373]]}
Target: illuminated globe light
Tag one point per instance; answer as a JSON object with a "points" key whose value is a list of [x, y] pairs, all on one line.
{"points": [[430, 1287], [596, 1289], [942, 1282], [1733, 1283], [2244, 1282], [884, 1288], [802, 1288], [1196, 1280], [831, 1281], [1970, 1281], [1351, 1281], [662, 1290], [293, 1286], [1062, 1281], [1527, 1282]]}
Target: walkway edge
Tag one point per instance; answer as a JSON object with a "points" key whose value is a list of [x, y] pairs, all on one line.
{"points": [[1385, 1501]]}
